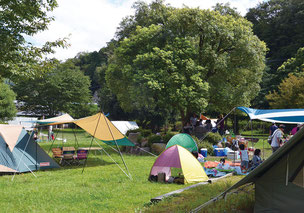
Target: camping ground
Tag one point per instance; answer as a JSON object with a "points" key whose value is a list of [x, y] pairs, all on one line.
{"points": [[102, 186]]}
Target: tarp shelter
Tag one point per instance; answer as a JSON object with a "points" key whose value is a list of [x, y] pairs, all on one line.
{"points": [[179, 157], [19, 152], [125, 126], [291, 116], [183, 140], [65, 118], [101, 128], [279, 180]]}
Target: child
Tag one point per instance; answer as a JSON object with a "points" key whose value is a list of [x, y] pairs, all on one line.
{"points": [[244, 157], [256, 160]]}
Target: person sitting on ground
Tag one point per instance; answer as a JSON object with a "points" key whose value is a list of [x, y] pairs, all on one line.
{"points": [[208, 125], [256, 160], [223, 165], [244, 157], [198, 156], [188, 128]]}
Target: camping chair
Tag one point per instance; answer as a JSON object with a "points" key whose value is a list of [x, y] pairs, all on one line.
{"points": [[67, 156], [81, 156], [57, 154]]}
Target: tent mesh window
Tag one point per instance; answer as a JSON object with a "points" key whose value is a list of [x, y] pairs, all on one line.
{"points": [[298, 177]]}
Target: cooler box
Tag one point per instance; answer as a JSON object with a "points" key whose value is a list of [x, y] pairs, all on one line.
{"points": [[219, 152], [233, 155], [204, 152]]}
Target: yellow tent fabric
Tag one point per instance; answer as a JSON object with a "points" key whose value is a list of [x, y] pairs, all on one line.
{"points": [[191, 167], [65, 118], [100, 127]]}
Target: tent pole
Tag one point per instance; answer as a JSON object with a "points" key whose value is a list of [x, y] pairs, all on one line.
{"points": [[76, 141], [251, 133], [93, 136], [22, 157], [117, 147]]}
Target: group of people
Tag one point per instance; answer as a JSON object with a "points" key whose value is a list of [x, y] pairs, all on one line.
{"points": [[245, 162]]}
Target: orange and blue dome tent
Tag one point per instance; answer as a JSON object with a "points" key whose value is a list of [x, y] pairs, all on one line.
{"points": [[179, 157]]}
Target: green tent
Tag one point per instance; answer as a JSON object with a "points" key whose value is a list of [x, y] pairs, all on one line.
{"points": [[183, 140], [20, 153]]}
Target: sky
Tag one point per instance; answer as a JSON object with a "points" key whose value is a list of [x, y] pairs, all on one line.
{"points": [[90, 24]]}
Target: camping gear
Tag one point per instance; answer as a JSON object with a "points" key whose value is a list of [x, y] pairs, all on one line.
{"points": [[279, 179], [291, 116], [178, 157], [219, 151], [19, 152], [233, 155], [204, 152], [183, 140]]}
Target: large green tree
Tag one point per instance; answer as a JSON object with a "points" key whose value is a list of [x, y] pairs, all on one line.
{"points": [[19, 19], [63, 89], [186, 60], [7, 105]]}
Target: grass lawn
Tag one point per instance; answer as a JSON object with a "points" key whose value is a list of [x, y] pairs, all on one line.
{"points": [[103, 187]]}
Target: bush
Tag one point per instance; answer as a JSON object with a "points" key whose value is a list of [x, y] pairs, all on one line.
{"points": [[167, 137], [143, 132], [213, 138], [154, 139], [204, 144]]}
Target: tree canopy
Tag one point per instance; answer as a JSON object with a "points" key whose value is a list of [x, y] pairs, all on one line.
{"points": [[17, 20], [63, 89], [187, 59], [7, 105]]}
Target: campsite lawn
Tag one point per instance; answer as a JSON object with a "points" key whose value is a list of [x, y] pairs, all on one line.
{"points": [[103, 187]]}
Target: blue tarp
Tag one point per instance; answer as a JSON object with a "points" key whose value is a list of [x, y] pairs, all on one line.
{"points": [[291, 116]]}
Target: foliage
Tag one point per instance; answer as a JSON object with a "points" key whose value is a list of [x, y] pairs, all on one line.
{"points": [[167, 137], [290, 94], [63, 89], [20, 19], [280, 24], [143, 132], [7, 105], [154, 139], [178, 61], [204, 144], [213, 138]]}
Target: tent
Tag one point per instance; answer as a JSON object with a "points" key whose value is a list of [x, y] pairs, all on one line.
{"points": [[183, 140], [125, 126], [279, 180], [179, 157], [291, 116], [65, 118], [19, 152], [100, 127]]}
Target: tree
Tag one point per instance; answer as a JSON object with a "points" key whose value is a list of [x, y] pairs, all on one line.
{"points": [[7, 106], [290, 94], [17, 20], [280, 23], [63, 89], [192, 58]]}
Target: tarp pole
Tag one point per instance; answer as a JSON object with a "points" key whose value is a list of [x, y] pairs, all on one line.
{"points": [[53, 141], [93, 136], [76, 141], [117, 147]]}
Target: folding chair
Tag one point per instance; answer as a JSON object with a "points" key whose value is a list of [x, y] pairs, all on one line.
{"points": [[57, 154], [67, 156], [82, 155]]}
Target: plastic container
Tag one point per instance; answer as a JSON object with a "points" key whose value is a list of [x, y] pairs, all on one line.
{"points": [[219, 152], [233, 155], [204, 152]]}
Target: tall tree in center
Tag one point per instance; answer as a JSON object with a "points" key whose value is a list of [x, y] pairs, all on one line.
{"points": [[188, 60]]}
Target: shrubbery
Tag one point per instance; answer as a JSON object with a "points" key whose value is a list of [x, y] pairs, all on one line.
{"points": [[204, 144], [213, 138], [143, 132], [154, 139]]}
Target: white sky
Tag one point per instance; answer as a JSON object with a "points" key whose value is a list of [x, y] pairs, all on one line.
{"points": [[90, 24]]}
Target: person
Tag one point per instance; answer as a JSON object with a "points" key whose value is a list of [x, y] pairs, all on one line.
{"points": [[272, 128], [256, 159], [277, 138], [220, 124], [188, 128], [208, 125], [193, 120], [244, 157], [296, 129], [198, 156]]}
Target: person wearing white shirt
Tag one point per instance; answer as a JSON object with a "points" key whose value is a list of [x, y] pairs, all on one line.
{"points": [[277, 137]]}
